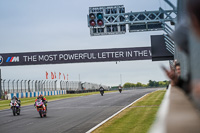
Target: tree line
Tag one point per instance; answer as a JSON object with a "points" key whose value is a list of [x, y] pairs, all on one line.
{"points": [[149, 84]]}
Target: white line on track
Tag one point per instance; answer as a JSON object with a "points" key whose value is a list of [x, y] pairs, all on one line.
{"points": [[92, 129]]}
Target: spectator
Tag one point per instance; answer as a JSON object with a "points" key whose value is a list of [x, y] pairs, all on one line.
{"points": [[176, 80]]}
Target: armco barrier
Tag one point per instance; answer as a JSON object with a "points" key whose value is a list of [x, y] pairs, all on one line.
{"points": [[35, 94]]}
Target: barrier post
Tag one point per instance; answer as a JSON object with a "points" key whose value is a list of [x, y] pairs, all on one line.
{"points": [[0, 84]]}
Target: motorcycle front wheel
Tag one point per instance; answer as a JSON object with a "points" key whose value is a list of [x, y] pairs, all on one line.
{"points": [[13, 109], [18, 112], [41, 113]]}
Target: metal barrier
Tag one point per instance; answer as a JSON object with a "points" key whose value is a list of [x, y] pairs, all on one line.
{"points": [[32, 88]]}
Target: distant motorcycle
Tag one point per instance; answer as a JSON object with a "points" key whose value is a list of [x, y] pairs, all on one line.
{"points": [[41, 108], [101, 89], [15, 107], [101, 92]]}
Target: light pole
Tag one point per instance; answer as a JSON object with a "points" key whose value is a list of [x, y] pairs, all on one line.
{"points": [[52, 85], [66, 84], [49, 82], [21, 85], [13, 85], [44, 85], [55, 85], [32, 85], [36, 86], [4, 85], [17, 85], [8, 85], [41, 85], [25, 84], [61, 84], [29, 90], [47, 85]]}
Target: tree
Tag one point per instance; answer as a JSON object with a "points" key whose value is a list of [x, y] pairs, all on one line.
{"points": [[151, 83], [127, 85], [139, 84]]}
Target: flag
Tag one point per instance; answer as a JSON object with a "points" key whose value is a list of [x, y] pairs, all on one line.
{"points": [[52, 76], [55, 75], [67, 77], [59, 75], [46, 75], [64, 76]]}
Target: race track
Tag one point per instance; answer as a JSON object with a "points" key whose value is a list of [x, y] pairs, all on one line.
{"points": [[72, 115]]}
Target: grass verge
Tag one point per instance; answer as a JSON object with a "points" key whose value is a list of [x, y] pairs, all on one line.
{"points": [[137, 118], [4, 104]]}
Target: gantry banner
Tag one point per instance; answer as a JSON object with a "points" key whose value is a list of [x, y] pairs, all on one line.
{"points": [[75, 56]]}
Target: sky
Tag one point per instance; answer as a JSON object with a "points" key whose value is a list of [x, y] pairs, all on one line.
{"points": [[55, 25]]}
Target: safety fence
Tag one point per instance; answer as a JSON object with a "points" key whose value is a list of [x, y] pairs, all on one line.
{"points": [[32, 88]]}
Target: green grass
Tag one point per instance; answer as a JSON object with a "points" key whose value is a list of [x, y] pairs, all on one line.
{"points": [[4, 104], [137, 118]]}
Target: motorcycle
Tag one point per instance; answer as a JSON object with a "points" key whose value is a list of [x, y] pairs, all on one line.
{"points": [[101, 91], [41, 108], [15, 107]]}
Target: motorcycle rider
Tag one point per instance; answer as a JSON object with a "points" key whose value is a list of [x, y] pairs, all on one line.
{"points": [[44, 100], [101, 89], [18, 101], [120, 88]]}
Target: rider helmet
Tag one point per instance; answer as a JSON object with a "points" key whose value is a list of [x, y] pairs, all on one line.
{"points": [[40, 96]]}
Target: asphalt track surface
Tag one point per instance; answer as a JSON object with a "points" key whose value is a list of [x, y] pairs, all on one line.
{"points": [[72, 115]]}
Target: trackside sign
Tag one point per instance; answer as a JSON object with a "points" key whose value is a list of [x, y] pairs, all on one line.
{"points": [[75, 56]]}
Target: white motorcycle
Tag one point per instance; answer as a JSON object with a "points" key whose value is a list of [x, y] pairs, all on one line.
{"points": [[15, 107]]}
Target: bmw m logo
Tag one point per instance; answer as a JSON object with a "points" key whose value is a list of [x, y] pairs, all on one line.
{"points": [[1, 59], [13, 59]]}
